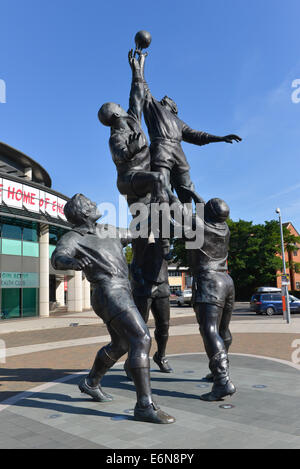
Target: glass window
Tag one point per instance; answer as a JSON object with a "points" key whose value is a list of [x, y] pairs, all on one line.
{"points": [[174, 273], [55, 233], [30, 233], [276, 297], [30, 302], [51, 249], [255, 298], [53, 238], [266, 297], [11, 247], [30, 249], [297, 285], [11, 303], [11, 231]]}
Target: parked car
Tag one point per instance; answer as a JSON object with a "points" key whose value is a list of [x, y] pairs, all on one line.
{"points": [[268, 290], [185, 298], [178, 293], [271, 303]]}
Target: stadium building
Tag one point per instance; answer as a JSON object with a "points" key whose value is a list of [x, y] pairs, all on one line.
{"points": [[31, 222]]}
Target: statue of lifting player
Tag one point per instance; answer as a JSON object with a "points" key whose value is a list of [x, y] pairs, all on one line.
{"points": [[213, 292], [97, 250]]}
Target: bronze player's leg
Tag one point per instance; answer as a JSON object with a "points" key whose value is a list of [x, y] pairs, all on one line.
{"points": [[132, 328], [208, 317], [185, 188], [149, 182], [143, 304], [165, 173], [104, 360], [161, 311], [224, 330]]}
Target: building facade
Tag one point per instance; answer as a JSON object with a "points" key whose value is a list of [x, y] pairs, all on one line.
{"points": [[179, 278], [292, 259], [31, 222]]}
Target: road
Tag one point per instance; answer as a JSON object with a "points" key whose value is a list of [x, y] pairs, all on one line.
{"points": [[241, 311]]}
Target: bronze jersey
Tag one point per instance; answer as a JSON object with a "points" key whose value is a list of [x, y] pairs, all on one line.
{"points": [[214, 252]]}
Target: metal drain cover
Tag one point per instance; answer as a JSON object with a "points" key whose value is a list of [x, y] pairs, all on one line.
{"points": [[129, 411], [119, 417], [54, 416]]}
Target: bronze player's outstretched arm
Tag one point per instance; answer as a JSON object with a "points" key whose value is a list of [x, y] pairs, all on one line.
{"points": [[136, 98], [203, 138], [142, 59]]}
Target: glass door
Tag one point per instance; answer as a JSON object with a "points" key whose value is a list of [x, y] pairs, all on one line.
{"points": [[11, 303]]}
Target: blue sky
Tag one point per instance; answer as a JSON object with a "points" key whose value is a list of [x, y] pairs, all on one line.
{"points": [[229, 65]]}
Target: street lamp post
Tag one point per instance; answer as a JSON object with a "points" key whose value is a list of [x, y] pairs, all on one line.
{"points": [[285, 290]]}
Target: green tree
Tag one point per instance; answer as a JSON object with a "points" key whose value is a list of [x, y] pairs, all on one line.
{"points": [[253, 260]]}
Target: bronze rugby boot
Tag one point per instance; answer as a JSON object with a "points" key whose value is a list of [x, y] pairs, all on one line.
{"points": [[91, 384], [222, 387], [146, 410], [163, 363], [96, 392], [152, 414]]}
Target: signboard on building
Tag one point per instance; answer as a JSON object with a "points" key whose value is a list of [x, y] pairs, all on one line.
{"points": [[19, 280], [24, 196]]}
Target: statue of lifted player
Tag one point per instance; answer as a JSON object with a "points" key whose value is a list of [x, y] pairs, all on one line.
{"points": [[213, 294], [167, 131], [97, 250], [131, 155]]}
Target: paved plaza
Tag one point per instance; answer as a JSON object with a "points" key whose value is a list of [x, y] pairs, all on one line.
{"points": [[265, 412]]}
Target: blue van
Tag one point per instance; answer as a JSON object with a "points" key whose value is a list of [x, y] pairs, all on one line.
{"points": [[271, 303]]}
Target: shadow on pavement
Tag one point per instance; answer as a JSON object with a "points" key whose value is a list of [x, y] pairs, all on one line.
{"points": [[115, 379]]}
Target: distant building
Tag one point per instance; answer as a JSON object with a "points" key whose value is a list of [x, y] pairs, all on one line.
{"points": [[179, 278], [31, 222], [291, 257]]}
